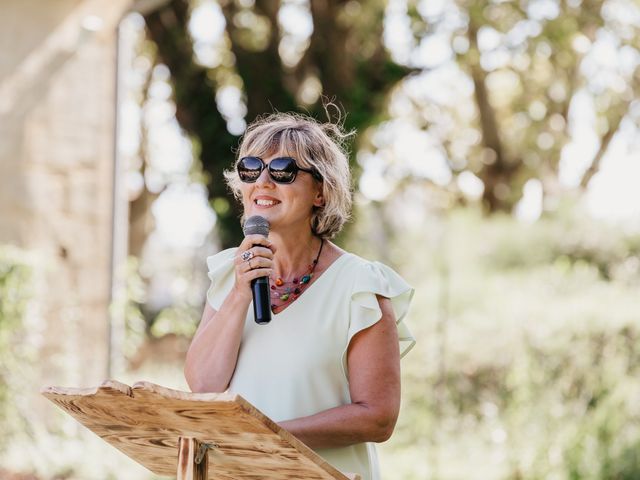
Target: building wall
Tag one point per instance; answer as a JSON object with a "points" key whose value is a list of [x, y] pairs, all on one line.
{"points": [[57, 121]]}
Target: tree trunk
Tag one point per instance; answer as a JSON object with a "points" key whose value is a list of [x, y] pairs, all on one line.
{"points": [[497, 175]]}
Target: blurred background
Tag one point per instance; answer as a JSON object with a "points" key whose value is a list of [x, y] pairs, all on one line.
{"points": [[497, 168]]}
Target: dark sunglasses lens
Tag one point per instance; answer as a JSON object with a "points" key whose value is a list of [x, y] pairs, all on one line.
{"points": [[283, 170], [249, 169]]}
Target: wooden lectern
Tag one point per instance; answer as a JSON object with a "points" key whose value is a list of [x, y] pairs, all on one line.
{"points": [[194, 436]]}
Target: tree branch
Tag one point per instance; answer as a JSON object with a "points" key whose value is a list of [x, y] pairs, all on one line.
{"points": [[602, 150]]}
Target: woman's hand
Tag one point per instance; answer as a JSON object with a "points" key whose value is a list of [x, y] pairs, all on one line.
{"points": [[254, 259]]}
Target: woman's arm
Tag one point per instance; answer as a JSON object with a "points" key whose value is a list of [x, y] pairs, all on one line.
{"points": [[374, 383], [213, 353]]}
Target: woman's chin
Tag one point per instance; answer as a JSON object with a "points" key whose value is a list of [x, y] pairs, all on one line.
{"points": [[266, 213]]}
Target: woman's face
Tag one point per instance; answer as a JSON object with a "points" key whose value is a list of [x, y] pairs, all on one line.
{"points": [[285, 206]]}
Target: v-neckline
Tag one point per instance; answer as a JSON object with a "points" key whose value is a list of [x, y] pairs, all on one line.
{"points": [[320, 277]]}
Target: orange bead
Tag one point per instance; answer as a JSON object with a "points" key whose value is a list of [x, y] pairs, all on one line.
{"points": [[279, 282]]}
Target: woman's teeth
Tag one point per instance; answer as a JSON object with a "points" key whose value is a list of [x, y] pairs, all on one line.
{"points": [[265, 203]]}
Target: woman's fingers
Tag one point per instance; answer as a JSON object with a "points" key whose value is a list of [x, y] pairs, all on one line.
{"points": [[254, 264], [259, 262], [254, 246], [257, 273], [254, 259], [260, 252], [252, 241]]}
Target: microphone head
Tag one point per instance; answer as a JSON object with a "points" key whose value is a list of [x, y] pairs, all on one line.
{"points": [[256, 225]]}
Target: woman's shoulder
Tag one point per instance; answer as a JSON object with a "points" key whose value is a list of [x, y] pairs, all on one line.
{"points": [[357, 263], [337, 254], [372, 278], [221, 264], [221, 275], [223, 256], [372, 274]]}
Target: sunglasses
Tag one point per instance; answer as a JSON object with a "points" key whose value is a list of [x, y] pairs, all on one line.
{"points": [[281, 169]]}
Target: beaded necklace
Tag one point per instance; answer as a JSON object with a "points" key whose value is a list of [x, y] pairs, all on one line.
{"points": [[288, 291]]}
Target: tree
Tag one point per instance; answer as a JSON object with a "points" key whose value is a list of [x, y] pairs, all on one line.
{"points": [[528, 62], [343, 59]]}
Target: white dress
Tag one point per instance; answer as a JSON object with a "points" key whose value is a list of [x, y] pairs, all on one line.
{"points": [[296, 365]]}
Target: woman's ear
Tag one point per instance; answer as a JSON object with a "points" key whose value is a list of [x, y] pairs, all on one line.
{"points": [[318, 201]]}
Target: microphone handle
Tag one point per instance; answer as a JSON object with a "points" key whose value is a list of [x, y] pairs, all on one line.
{"points": [[261, 300]]}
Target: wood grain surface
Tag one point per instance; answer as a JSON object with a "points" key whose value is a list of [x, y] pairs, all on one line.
{"points": [[146, 421]]}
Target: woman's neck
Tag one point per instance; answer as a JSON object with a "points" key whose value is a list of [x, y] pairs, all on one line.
{"points": [[294, 252]]}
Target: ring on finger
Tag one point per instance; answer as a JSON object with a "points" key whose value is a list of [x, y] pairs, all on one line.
{"points": [[247, 255]]}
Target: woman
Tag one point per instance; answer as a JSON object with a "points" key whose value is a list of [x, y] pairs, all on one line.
{"points": [[327, 366]]}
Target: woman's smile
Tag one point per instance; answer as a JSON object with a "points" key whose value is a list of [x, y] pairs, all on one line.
{"points": [[265, 202]]}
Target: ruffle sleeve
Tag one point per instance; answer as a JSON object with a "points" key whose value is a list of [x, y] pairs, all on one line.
{"points": [[221, 275], [375, 278]]}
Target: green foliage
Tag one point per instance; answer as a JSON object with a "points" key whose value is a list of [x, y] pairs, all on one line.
{"points": [[565, 242], [528, 356], [15, 276], [127, 305], [181, 319]]}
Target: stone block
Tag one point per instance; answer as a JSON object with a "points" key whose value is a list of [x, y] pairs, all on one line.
{"points": [[92, 283], [82, 190], [43, 192]]}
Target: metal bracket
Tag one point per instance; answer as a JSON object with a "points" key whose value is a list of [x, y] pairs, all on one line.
{"points": [[202, 451]]}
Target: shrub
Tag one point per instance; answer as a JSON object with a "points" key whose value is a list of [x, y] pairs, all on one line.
{"points": [[15, 276]]}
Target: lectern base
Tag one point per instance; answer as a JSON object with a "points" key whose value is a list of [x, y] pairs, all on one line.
{"points": [[193, 460]]}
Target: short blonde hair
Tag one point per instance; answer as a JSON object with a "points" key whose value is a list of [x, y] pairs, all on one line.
{"points": [[314, 145]]}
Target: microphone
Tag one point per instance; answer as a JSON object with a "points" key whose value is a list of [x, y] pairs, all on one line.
{"points": [[259, 286]]}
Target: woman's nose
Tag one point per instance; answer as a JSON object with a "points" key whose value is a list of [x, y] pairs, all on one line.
{"points": [[264, 178]]}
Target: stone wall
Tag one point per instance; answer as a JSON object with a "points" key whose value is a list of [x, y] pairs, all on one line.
{"points": [[57, 122]]}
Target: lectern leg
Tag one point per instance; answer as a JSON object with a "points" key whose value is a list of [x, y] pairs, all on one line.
{"points": [[192, 466]]}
